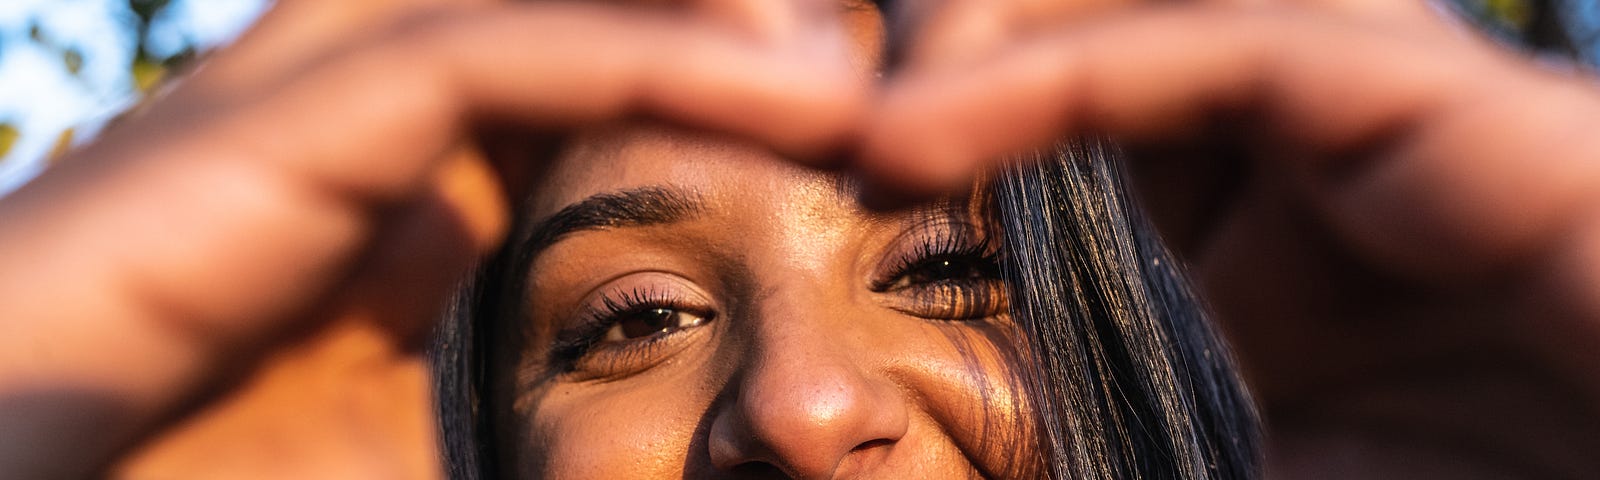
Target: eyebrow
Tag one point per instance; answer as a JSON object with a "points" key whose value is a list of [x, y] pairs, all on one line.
{"points": [[637, 207]]}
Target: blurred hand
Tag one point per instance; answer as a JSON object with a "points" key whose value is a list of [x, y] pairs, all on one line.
{"points": [[322, 172], [1393, 218], [1372, 199]]}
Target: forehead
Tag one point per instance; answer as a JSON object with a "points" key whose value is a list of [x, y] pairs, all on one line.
{"points": [[756, 212], [719, 169]]}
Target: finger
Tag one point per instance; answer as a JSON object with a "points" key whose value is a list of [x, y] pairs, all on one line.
{"points": [[1392, 10], [441, 232], [181, 249], [945, 33], [1148, 76], [362, 133], [772, 22], [815, 28], [294, 33], [954, 33], [1334, 91]]}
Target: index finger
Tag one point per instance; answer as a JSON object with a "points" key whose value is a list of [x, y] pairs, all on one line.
{"points": [[543, 66], [364, 131], [1401, 139]]}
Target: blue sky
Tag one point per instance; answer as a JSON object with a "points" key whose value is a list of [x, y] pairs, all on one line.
{"points": [[41, 98]]}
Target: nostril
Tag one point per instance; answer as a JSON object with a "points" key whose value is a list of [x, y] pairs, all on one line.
{"points": [[758, 470], [870, 444]]}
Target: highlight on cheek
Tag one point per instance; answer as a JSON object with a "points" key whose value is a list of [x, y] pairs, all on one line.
{"points": [[627, 325]]}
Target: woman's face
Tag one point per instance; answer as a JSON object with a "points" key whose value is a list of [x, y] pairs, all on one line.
{"points": [[697, 307]]}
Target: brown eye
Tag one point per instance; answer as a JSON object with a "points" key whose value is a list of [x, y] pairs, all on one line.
{"points": [[651, 321], [940, 269], [944, 269], [951, 286]]}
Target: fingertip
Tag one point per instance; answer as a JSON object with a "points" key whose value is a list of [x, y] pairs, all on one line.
{"points": [[886, 188], [471, 186], [904, 153], [805, 103], [825, 122]]}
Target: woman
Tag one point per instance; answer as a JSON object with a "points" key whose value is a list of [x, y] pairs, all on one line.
{"points": [[824, 339], [1365, 223], [700, 307]]}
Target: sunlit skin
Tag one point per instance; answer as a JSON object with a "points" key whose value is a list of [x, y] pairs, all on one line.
{"points": [[784, 352], [1397, 213], [801, 367]]}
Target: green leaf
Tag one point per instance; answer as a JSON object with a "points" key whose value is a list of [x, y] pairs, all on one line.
{"points": [[1512, 13], [147, 74], [8, 138], [73, 60], [63, 144]]}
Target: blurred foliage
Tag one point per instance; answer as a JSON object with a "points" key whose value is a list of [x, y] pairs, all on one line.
{"points": [[71, 58], [8, 137], [1516, 15], [63, 143], [145, 72], [148, 69], [1561, 27]]}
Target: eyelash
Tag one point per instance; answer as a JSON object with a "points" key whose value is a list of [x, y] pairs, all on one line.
{"points": [[575, 345], [950, 298], [947, 299], [941, 245]]}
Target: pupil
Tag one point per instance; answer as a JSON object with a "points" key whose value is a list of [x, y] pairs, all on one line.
{"points": [[658, 318], [945, 269], [649, 322]]}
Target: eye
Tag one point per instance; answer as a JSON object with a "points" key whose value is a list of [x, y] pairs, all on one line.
{"points": [[946, 268], [626, 330], [650, 321], [948, 277]]}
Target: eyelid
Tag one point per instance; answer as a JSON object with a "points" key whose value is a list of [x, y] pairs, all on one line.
{"points": [[583, 327], [950, 236], [667, 280], [938, 235]]}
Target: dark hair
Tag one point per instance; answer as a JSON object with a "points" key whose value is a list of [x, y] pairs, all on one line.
{"points": [[1129, 377], [1132, 379]]}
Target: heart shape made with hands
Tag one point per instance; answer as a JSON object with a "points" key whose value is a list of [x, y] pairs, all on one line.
{"points": [[1339, 175], [1359, 157]]}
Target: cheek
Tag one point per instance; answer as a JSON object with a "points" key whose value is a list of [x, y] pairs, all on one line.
{"points": [[968, 408], [625, 430], [970, 386]]}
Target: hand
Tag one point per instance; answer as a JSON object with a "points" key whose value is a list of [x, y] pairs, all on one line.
{"points": [[306, 144], [1392, 218]]}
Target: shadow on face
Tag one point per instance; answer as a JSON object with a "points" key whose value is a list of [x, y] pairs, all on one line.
{"points": [[697, 307]]}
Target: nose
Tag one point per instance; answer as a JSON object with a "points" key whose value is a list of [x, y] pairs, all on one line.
{"points": [[805, 407]]}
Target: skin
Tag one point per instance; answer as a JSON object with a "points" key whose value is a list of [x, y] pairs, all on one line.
{"points": [[1405, 300], [1373, 221], [805, 369], [174, 323]]}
